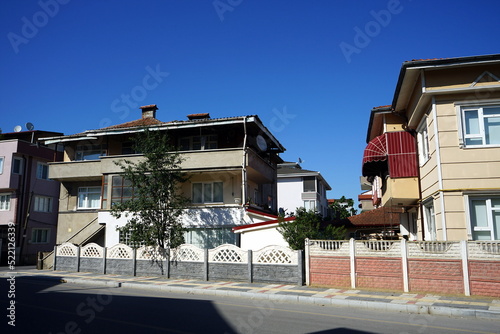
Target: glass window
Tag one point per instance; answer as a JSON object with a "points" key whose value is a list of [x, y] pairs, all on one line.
{"points": [[17, 166], [423, 142], [89, 152], [481, 125], [208, 192], [485, 218], [42, 171], [196, 143], [2, 159], [430, 222], [4, 202], [121, 190], [309, 183], [210, 237], [43, 204], [89, 197], [40, 235]]}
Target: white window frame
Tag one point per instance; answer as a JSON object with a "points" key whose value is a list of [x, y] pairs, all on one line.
{"points": [[2, 162], [430, 232], [205, 141], [42, 204], [20, 172], [489, 211], [5, 202], [35, 236], [84, 203], [204, 188], [42, 171], [464, 106], [423, 142]]}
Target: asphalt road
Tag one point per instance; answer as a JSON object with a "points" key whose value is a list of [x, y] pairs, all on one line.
{"points": [[48, 306]]}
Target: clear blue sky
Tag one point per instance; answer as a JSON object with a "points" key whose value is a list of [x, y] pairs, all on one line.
{"points": [[302, 66]]}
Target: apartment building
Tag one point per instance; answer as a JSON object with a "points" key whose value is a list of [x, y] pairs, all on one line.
{"points": [[434, 153], [28, 198], [230, 162]]}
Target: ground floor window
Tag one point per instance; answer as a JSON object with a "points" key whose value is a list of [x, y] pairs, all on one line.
{"points": [[40, 235], [89, 198], [4, 202], [429, 221], [210, 237], [484, 216]]}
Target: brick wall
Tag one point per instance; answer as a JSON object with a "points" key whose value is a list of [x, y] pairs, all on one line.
{"points": [[485, 278], [434, 275], [330, 271], [379, 272]]}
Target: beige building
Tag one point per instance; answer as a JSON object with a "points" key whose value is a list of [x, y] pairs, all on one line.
{"points": [[231, 164], [448, 186]]}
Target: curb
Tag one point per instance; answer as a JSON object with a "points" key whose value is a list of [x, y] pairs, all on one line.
{"points": [[360, 304]]}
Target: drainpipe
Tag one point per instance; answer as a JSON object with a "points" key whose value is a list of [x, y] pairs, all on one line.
{"points": [[439, 170], [244, 165]]}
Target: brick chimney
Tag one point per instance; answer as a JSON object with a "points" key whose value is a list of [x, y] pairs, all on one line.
{"points": [[149, 111]]}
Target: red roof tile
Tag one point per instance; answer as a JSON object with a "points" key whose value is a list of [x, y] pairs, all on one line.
{"points": [[136, 123], [378, 217]]}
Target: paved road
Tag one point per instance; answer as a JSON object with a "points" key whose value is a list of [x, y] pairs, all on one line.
{"points": [[49, 306]]}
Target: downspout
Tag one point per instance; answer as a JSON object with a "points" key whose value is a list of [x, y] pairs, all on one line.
{"points": [[439, 170], [244, 165]]}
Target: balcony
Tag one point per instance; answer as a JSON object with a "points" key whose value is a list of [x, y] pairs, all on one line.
{"points": [[400, 191], [193, 160]]}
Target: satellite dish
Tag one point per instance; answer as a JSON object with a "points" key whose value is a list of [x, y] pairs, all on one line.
{"points": [[17, 128], [261, 143], [30, 126]]}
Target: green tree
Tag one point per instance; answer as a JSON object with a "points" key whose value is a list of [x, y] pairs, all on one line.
{"points": [[343, 208], [157, 204], [307, 224]]}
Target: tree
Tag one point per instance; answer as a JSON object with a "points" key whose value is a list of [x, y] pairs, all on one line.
{"points": [[343, 208], [157, 203], [307, 224]]}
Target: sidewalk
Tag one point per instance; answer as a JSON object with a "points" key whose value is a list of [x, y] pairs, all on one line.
{"points": [[459, 306]]}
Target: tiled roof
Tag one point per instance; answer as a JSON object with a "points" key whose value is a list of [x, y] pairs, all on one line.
{"points": [[136, 123], [377, 217]]}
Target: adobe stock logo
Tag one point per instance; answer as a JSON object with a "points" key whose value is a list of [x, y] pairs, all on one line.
{"points": [[40, 19], [372, 29]]}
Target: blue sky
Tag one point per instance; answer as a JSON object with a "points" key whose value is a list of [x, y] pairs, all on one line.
{"points": [[312, 70]]}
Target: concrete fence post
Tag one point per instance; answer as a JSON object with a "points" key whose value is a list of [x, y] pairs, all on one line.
{"points": [[167, 262], [205, 274], [104, 254], [352, 257], [250, 266], [308, 264], [134, 261], [55, 258], [465, 266], [404, 262], [300, 267], [78, 249]]}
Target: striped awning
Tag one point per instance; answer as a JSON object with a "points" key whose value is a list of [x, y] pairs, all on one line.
{"points": [[376, 150]]}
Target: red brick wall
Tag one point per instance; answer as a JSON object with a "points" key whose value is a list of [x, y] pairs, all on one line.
{"points": [[484, 278], [435, 275], [379, 273], [330, 271]]}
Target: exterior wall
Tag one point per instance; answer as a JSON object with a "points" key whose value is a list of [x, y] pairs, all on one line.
{"points": [[290, 190], [258, 239], [400, 190], [460, 267], [272, 264]]}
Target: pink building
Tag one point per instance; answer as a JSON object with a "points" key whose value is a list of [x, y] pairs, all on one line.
{"points": [[29, 200]]}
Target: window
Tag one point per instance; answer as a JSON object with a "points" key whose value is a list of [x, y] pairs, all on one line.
{"points": [[89, 152], [210, 237], [40, 235], [42, 171], [481, 125], [310, 205], [208, 192], [309, 184], [126, 239], [121, 189], [17, 166], [4, 202], [429, 221], [89, 197], [2, 159], [198, 143], [485, 218], [129, 148], [423, 143], [43, 204]]}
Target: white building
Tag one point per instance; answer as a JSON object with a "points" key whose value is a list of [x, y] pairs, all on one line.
{"points": [[299, 187]]}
